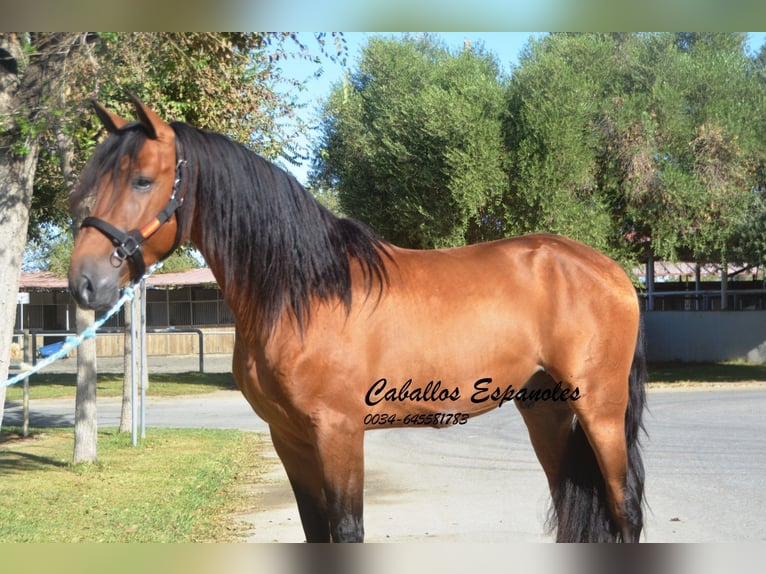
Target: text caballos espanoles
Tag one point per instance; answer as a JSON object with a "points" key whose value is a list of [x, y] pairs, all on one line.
{"points": [[483, 390]]}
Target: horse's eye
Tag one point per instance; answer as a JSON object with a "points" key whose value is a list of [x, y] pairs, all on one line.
{"points": [[142, 183]]}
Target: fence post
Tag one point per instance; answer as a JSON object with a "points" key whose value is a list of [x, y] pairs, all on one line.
{"points": [[650, 282], [26, 341], [201, 350], [25, 402]]}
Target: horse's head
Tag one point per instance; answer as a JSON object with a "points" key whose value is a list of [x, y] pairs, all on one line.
{"points": [[132, 186]]}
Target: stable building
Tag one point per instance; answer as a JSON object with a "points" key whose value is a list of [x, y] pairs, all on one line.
{"points": [[174, 302]]}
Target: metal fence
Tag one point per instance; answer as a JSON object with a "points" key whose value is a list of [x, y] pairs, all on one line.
{"points": [[184, 307], [706, 300]]}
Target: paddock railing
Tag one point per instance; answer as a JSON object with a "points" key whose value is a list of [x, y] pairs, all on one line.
{"points": [[111, 343], [705, 300]]}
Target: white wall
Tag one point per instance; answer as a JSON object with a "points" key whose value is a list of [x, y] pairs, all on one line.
{"points": [[707, 336]]}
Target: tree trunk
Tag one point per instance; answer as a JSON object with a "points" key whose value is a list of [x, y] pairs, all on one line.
{"points": [[18, 161], [85, 426], [85, 423], [16, 183]]}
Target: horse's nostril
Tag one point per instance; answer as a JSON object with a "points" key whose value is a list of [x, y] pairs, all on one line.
{"points": [[85, 289]]}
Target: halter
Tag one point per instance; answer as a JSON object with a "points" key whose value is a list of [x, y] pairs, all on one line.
{"points": [[128, 244]]}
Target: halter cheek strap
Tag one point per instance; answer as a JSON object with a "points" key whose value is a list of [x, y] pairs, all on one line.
{"points": [[128, 243]]}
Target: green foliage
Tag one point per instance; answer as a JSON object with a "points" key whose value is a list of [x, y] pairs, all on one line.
{"points": [[184, 258], [644, 136], [614, 139], [626, 141], [49, 251], [328, 197], [411, 142], [226, 82], [553, 132]]}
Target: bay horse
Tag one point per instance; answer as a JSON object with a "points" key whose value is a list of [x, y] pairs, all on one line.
{"points": [[339, 332]]}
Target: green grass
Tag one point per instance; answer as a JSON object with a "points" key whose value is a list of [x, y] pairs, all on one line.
{"points": [[706, 372], [59, 385], [177, 486]]}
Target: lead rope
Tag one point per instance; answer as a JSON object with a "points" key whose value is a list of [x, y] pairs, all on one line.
{"points": [[74, 341]]}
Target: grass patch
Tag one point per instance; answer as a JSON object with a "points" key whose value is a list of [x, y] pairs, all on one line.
{"points": [[706, 372], [59, 385], [176, 486]]}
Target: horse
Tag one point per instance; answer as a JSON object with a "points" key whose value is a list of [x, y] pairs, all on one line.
{"points": [[339, 331]]}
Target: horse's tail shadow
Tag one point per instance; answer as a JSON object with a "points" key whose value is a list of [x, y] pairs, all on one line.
{"points": [[579, 511]]}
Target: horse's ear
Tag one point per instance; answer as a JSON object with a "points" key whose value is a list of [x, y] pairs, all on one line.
{"points": [[153, 123], [112, 122]]}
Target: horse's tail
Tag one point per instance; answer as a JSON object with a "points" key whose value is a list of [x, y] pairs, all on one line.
{"points": [[579, 512]]}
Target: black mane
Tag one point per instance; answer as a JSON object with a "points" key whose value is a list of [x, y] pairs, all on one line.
{"points": [[267, 234]]}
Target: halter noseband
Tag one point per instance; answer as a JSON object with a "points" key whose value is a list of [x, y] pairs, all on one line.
{"points": [[128, 244]]}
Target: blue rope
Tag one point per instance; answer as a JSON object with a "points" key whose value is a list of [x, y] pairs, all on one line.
{"points": [[72, 342]]}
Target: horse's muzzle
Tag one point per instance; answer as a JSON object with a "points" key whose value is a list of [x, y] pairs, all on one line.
{"points": [[94, 286]]}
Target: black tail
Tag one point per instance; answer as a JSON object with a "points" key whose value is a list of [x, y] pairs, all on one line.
{"points": [[579, 511]]}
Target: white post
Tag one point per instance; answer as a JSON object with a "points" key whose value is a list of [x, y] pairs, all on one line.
{"points": [[144, 372], [133, 345]]}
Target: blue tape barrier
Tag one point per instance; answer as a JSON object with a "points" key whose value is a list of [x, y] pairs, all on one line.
{"points": [[72, 342]]}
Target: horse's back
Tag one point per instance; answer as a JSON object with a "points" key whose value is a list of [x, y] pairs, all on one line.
{"points": [[537, 266]]}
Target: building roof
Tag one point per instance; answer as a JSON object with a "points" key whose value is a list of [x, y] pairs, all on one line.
{"points": [[669, 270], [44, 281]]}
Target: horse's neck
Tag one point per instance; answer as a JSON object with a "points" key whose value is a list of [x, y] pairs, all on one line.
{"points": [[238, 300]]}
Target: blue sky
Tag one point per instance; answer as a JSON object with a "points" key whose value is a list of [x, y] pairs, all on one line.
{"points": [[506, 46]]}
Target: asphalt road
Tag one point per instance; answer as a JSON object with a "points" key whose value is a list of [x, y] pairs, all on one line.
{"points": [[705, 461]]}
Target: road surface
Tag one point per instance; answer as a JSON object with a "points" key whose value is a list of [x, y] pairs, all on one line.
{"points": [[705, 461]]}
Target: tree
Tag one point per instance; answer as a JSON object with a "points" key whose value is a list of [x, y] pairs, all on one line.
{"points": [[225, 82], [748, 241], [619, 136], [554, 135], [625, 141], [411, 142], [219, 81], [710, 143], [30, 72]]}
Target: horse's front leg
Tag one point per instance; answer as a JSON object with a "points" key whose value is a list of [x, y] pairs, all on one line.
{"points": [[326, 472], [299, 457], [341, 455]]}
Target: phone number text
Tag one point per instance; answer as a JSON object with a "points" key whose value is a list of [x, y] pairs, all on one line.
{"points": [[422, 419]]}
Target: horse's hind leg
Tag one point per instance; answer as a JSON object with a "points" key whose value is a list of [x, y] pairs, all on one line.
{"points": [[606, 435], [599, 494], [549, 424]]}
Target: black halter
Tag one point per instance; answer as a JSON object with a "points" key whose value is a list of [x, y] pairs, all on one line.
{"points": [[128, 244]]}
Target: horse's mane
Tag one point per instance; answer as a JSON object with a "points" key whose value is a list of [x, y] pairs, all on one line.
{"points": [[270, 236]]}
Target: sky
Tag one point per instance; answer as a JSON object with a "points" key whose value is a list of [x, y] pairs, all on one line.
{"points": [[506, 46]]}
